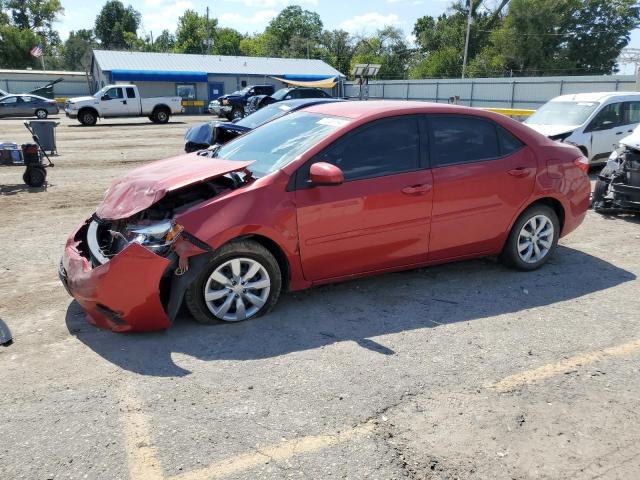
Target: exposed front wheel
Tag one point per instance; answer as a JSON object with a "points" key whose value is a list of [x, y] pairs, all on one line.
{"points": [[237, 113], [41, 113], [242, 281], [87, 118], [533, 238]]}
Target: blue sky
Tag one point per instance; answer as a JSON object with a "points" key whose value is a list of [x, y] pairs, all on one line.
{"points": [[248, 16]]}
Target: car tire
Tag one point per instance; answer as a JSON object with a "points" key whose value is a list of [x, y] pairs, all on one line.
{"points": [[87, 118], [599, 192], [41, 113], [34, 177], [236, 113], [160, 115], [232, 264], [533, 238]]}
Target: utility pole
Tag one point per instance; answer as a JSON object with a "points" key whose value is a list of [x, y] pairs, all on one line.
{"points": [[208, 33], [466, 41]]}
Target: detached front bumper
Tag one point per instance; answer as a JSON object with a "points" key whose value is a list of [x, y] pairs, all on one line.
{"points": [[123, 294]]}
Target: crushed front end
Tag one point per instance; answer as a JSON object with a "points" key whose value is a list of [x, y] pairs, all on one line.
{"points": [[130, 263], [118, 289]]}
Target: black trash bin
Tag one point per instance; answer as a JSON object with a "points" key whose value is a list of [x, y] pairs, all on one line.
{"points": [[46, 132]]}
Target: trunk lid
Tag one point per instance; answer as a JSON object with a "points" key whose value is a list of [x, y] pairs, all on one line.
{"points": [[144, 186]]}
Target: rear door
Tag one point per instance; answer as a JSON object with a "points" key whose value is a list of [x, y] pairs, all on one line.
{"points": [[482, 176], [132, 102], [379, 217]]}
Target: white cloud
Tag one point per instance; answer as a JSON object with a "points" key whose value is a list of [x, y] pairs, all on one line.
{"points": [[163, 14], [236, 19], [274, 3], [369, 21]]}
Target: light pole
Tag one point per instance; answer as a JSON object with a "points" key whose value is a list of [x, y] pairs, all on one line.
{"points": [[466, 41]]}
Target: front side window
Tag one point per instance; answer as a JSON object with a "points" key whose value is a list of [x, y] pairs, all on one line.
{"points": [[608, 117], [384, 147], [9, 100], [186, 91], [279, 142], [114, 93], [457, 139]]}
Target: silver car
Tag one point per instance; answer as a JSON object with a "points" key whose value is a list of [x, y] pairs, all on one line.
{"points": [[26, 105]]}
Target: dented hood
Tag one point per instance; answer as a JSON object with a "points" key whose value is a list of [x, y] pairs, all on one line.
{"points": [[144, 186]]}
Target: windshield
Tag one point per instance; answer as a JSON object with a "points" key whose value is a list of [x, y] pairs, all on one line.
{"points": [[264, 115], [278, 143], [280, 94], [100, 92], [562, 113]]}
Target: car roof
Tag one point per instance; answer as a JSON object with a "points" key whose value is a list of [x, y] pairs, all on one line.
{"points": [[594, 96], [373, 108]]}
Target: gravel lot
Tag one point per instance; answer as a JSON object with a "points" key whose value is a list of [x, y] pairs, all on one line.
{"points": [[467, 370]]}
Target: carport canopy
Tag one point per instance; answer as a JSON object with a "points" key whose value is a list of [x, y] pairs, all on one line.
{"points": [[317, 81]]}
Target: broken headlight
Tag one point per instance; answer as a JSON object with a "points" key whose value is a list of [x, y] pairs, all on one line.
{"points": [[105, 242], [156, 236]]}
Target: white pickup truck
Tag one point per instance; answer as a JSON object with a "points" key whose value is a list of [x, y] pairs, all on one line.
{"points": [[121, 101]]}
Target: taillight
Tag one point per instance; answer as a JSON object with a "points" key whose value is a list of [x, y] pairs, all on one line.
{"points": [[582, 163]]}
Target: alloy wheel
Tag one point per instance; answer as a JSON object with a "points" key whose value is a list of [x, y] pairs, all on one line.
{"points": [[535, 239], [237, 289]]}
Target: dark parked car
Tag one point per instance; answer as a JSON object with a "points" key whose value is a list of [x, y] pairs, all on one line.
{"points": [[27, 106], [329, 193], [233, 105], [203, 135], [290, 93]]}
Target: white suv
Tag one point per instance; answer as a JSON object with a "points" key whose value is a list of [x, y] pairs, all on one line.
{"points": [[594, 122]]}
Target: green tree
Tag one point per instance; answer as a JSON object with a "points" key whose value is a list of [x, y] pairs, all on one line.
{"points": [[113, 23], [15, 47], [559, 37], [337, 49], [77, 49], [165, 42], [193, 32], [386, 47], [227, 41], [258, 45], [294, 32]]}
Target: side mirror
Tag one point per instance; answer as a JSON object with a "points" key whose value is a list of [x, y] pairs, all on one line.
{"points": [[105, 97], [322, 173]]}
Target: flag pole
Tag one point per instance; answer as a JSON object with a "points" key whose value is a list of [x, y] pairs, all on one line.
{"points": [[42, 58]]}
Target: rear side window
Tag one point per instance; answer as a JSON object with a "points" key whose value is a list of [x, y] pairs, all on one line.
{"points": [[131, 92], [464, 139], [384, 147]]}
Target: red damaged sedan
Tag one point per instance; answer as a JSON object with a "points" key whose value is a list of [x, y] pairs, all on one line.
{"points": [[329, 193]]}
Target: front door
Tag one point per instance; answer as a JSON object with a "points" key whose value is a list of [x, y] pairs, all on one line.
{"points": [[113, 103], [379, 217], [482, 176], [216, 90], [606, 130]]}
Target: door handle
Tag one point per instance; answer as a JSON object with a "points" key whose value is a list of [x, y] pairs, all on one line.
{"points": [[124, 102], [619, 133], [416, 189], [519, 172]]}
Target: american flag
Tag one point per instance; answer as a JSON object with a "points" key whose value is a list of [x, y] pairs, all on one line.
{"points": [[37, 51]]}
